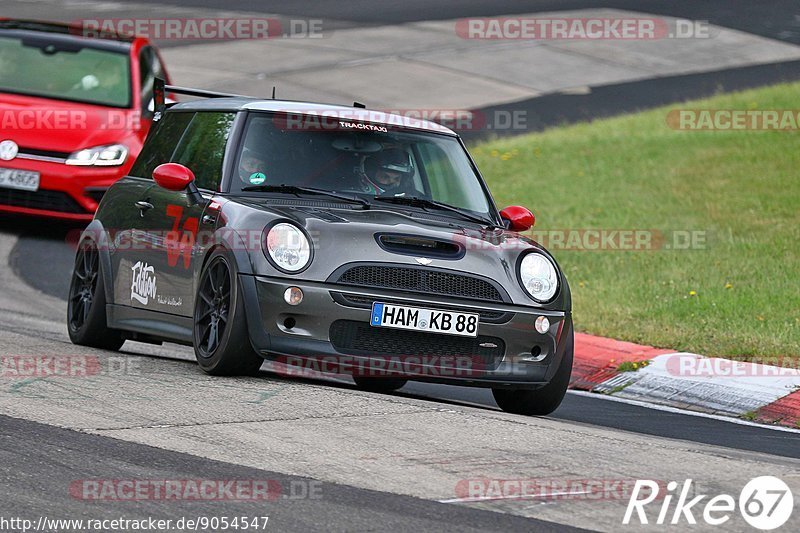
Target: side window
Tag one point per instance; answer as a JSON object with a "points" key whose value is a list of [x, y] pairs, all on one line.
{"points": [[438, 167], [164, 136], [203, 147], [150, 68]]}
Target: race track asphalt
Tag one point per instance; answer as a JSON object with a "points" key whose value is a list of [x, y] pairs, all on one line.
{"points": [[776, 19], [43, 259], [384, 461]]}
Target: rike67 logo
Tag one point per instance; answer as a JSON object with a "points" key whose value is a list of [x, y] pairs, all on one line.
{"points": [[765, 503]]}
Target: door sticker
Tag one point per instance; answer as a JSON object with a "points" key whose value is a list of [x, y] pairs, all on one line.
{"points": [[143, 283], [180, 240]]}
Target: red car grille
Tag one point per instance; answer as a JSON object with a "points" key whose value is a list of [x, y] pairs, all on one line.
{"points": [[48, 200]]}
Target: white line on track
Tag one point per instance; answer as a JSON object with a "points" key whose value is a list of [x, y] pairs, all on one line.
{"points": [[514, 497]]}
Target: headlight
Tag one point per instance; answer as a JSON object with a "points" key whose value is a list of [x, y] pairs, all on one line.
{"points": [[539, 277], [99, 156], [288, 247]]}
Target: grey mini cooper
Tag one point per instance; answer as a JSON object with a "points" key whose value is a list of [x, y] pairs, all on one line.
{"points": [[324, 239]]}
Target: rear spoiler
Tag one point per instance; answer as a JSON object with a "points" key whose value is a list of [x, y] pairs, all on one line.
{"points": [[160, 90]]}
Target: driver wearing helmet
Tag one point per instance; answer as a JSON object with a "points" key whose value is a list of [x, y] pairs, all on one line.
{"points": [[252, 166], [388, 173]]}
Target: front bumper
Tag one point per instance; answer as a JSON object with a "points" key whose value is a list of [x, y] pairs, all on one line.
{"points": [[65, 192], [330, 330]]}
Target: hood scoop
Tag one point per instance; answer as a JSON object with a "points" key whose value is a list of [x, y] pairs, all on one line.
{"points": [[420, 246]]}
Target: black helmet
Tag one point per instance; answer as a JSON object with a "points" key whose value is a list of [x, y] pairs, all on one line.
{"points": [[391, 160], [396, 160]]}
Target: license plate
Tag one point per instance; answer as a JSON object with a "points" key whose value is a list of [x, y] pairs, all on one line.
{"points": [[418, 319], [19, 179]]}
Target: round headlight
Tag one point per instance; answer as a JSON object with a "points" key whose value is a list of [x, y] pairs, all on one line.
{"points": [[288, 247], [539, 277]]}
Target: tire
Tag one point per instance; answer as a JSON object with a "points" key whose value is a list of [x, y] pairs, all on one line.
{"points": [[220, 337], [542, 401], [86, 305], [379, 384]]}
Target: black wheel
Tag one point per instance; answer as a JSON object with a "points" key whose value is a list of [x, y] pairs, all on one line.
{"points": [[86, 307], [379, 384], [541, 401], [221, 341]]}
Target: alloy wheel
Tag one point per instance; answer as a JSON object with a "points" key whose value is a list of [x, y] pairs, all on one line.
{"points": [[211, 314], [84, 284]]}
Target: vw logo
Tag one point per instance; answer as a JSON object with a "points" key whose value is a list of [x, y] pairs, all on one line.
{"points": [[423, 260], [8, 150]]}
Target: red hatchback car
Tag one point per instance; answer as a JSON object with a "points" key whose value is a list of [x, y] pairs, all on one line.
{"points": [[74, 112]]}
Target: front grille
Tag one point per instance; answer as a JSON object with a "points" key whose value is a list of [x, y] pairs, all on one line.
{"points": [[366, 302], [421, 280], [49, 200], [44, 153], [96, 194], [359, 338]]}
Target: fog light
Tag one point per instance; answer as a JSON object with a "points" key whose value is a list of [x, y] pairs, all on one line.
{"points": [[542, 324], [293, 296]]}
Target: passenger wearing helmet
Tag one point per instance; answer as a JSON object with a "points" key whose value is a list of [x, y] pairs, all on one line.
{"points": [[388, 173]]}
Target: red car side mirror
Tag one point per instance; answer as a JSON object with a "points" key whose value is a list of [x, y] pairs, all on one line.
{"points": [[519, 218], [173, 176]]}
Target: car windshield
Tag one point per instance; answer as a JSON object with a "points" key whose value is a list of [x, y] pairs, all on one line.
{"points": [[363, 160], [65, 70]]}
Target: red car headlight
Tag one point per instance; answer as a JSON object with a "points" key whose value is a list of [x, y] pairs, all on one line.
{"points": [[100, 156]]}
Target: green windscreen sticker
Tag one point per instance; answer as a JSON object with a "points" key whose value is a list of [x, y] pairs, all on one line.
{"points": [[257, 178]]}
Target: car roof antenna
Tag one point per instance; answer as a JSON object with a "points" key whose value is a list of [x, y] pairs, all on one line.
{"points": [[273, 92]]}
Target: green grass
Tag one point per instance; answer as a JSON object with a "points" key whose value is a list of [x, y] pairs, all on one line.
{"points": [[632, 366], [738, 297], [750, 415]]}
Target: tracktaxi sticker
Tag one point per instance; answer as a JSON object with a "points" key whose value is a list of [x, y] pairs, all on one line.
{"points": [[360, 126]]}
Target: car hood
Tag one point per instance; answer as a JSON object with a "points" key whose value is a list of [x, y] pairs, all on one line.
{"points": [[342, 236], [62, 126]]}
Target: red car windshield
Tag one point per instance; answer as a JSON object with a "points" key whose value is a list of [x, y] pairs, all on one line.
{"points": [[79, 73]]}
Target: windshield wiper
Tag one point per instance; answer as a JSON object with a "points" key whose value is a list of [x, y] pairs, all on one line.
{"points": [[424, 202], [298, 190]]}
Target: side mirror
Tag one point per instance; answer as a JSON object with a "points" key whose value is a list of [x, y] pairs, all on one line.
{"points": [[518, 218], [173, 176], [176, 177]]}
